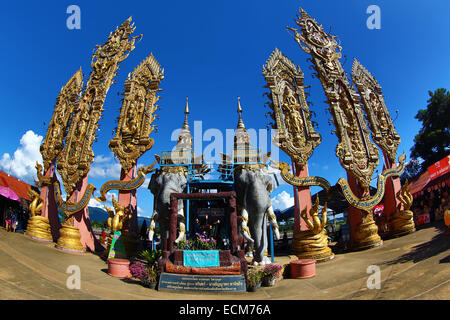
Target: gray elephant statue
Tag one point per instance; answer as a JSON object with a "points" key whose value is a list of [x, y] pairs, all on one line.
{"points": [[253, 185], [164, 182]]}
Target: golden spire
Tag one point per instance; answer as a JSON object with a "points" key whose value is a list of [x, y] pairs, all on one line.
{"points": [[239, 110], [186, 112]]}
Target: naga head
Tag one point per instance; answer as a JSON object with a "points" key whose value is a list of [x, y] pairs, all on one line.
{"points": [[282, 166], [316, 226]]}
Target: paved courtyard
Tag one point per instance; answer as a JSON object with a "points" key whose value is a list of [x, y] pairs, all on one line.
{"points": [[415, 266]]}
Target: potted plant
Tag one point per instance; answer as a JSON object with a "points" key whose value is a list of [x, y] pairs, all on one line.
{"points": [[254, 277], [140, 271], [151, 257], [153, 276], [270, 274]]}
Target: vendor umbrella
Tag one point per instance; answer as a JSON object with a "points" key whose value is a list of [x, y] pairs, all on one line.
{"points": [[8, 193]]}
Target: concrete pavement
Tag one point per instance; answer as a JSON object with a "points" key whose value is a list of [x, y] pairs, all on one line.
{"points": [[415, 266]]}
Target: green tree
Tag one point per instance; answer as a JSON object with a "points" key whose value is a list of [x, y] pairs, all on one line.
{"points": [[432, 142], [412, 169]]}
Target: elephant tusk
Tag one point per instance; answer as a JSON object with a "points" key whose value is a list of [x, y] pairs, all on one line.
{"points": [[182, 232], [273, 223], [152, 226], [181, 219], [244, 228]]}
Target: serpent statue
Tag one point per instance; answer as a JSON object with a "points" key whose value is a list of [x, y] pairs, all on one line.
{"points": [[401, 221], [313, 243], [297, 181], [38, 227]]}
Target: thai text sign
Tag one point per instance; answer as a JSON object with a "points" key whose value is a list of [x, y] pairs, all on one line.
{"points": [[202, 283], [201, 258], [439, 168]]}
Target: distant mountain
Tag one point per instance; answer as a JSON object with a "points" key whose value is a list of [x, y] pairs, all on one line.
{"points": [[99, 215]]}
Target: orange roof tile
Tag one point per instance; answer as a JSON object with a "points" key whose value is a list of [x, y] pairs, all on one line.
{"points": [[19, 187]]}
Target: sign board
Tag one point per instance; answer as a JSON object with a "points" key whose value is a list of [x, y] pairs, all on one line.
{"points": [[201, 258], [211, 212], [439, 168], [423, 219], [117, 249], [202, 283]]}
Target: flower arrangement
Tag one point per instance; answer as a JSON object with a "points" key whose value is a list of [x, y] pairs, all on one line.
{"points": [[254, 277], [147, 271], [200, 242], [272, 270], [153, 274], [139, 271], [204, 243]]}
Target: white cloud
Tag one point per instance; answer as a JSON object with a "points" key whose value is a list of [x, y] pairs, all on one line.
{"points": [[144, 186], [105, 167], [22, 164], [282, 201], [141, 212]]}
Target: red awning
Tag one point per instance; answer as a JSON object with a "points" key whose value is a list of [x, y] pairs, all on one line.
{"points": [[419, 184], [19, 187]]}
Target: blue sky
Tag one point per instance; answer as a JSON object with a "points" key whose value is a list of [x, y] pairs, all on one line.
{"points": [[212, 51]]}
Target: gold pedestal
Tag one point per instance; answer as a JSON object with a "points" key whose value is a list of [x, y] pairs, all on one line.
{"points": [[38, 228], [401, 223], [307, 245], [69, 240], [366, 235], [131, 243]]}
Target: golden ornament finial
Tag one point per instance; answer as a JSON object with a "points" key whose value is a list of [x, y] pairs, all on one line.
{"points": [[186, 112], [239, 110]]}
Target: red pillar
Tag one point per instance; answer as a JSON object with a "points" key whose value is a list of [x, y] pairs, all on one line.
{"points": [[49, 209], [354, 214], [393, 185], [302, 199], [129, 199], [81, 219]]}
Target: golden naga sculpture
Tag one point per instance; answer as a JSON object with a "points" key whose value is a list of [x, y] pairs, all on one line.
{"points": [[296, 135], [136, 115], [401, 222], [125, 185], [297, 181], [368, 202], [38, 227], [57, 129], [357, 154], [118, 220], [69, 235], [313, 243], [42, 179], [75, 159], [366, 234], [380, 122]]}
